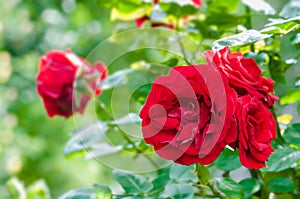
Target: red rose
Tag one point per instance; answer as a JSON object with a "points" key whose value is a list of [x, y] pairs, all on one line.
{"points": [[55, 82], [243, 74], [189, 115], [257, 128]]}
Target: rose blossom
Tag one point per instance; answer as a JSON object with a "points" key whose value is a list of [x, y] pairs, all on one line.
{"points": [[243, 74], [58, 71], [189, 115], [257, 128]]}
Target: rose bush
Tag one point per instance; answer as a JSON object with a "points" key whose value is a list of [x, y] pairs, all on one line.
{"points": [[189, 115], [57, 74]]}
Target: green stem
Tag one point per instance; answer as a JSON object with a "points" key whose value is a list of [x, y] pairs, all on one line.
{"points": [[125, 136], [249, 24], [179, 38]]}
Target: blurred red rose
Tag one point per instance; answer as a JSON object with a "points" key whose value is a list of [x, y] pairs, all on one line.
{"points": [[197, 2], [58, 71], [243, 74], [257, 128], [189, 115]]}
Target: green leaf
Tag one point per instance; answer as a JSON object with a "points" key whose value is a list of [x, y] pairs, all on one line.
{"points": [[97, 192], [116, 79], [102, 192], [203, 174], [243, 38], [292, 134], [131, 118], [260, 5], [228, 160], [290, 97], [177, 10], [277, 67], [281, 159], [128, 6], [38, 189], [216, 6], [160, 181], [281, 26], [291, 9], [295, 40], [281, 185], [298, 109], [171, 62], [16, 188], [181, 173], [250, 186], [229, 187], [178, 191], [132, 183], [101, 149], [83, 139]]}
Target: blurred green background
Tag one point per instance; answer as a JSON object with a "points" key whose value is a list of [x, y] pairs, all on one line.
{"points": [[31, 144]]}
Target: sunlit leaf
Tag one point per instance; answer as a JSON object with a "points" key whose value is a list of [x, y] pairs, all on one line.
{"points": [[243, 38], [16, 188], [38, 189], [290, 97], [281, 26], [216, 6], [178, 10]]}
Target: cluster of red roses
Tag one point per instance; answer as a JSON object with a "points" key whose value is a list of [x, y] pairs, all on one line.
{"points": [[192, 114]]}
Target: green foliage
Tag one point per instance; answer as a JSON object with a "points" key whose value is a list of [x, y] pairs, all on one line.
{"points": [[243, 38], [292, 134], [281, 184], [96, 191], [202, 174], [133, 183], [228, 160], [250, 186], [281, 26], [180, 173], [178, 191], [229, 187], [290, 97], [283, 158]]}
